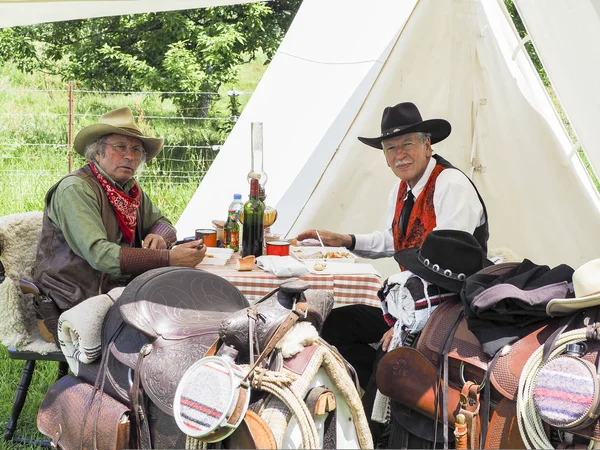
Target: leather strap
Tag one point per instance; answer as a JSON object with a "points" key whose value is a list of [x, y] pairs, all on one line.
{"points": [[214, 348], [330, 431], [469, 407], [99, 384], [443, 373], [136, 397], [252, 318], [460, 433], [485, 414], [320, 400], [551, 341], [298, 311]]}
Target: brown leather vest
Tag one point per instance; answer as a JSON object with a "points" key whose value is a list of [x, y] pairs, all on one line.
{"points": [[62, 275]]}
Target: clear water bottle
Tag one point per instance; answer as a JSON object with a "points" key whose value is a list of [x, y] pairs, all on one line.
{"points": [[236, 205]]}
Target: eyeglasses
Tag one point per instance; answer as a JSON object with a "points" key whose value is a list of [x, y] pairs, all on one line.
{"points": [[137, 150]]}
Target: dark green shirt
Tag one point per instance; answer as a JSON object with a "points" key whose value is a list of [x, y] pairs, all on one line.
{"points": [[75, 210]]}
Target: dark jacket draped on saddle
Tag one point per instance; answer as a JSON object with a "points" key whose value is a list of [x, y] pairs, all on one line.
{"points": [[502, 309]]}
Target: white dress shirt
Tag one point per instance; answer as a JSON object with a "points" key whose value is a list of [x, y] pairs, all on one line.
{"points": [[456, 205]]}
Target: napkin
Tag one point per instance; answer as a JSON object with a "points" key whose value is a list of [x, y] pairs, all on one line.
{"points": [[281, 266]]}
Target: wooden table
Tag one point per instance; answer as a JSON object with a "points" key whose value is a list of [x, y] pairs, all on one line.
{"points": [[346, 289]]}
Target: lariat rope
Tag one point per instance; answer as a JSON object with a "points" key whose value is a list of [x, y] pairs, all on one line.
{"points": [[191, 443], [279, 384], [528, 419]]}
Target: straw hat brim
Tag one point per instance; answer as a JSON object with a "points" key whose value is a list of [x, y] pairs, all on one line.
{"points": [[153, 146], [563, 306]]}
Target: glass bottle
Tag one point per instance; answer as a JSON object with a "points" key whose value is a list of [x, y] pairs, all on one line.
{"points": [[231, 230], [256, 163], [253, 230]]}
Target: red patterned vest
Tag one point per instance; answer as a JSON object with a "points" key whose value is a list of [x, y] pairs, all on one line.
{"points": [[422, 218]]}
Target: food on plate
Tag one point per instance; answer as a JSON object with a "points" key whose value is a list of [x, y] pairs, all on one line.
{"points": [[320, 266], [246, 263], [208, 255], [326, 255]]}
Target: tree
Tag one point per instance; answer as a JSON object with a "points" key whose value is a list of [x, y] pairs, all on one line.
{"points": [[535, 59], [183, 51]]}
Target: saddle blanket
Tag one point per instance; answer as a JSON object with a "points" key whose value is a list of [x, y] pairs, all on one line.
{"points": [[80, 329]]}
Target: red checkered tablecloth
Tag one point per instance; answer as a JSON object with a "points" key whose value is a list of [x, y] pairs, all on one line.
{"points": [[346, 289]]}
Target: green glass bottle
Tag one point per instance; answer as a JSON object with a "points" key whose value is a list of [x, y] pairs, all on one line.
{"points": [[253, 230], [231, 230]]}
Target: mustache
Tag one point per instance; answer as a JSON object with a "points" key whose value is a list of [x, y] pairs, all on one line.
{"points": [[402, 162]]}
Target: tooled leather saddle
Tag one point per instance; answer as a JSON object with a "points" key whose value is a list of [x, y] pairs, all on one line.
{"points": [[167, 319], [411, 375]]}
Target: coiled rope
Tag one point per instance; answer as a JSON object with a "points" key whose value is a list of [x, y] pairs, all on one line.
{"points": [[279, 384]]}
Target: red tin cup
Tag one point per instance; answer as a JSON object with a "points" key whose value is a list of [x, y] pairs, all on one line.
{"points": [[209, 236], [278, 248]]}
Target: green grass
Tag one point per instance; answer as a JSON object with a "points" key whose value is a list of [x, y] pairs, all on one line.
{"points": [[26, 173]]}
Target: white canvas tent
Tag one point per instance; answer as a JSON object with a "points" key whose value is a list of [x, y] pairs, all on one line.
{"points": [[25, 12], [343, 61]]}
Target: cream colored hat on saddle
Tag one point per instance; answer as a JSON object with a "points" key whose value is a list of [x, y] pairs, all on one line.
{"points": [[586, 282], [119, 121]]}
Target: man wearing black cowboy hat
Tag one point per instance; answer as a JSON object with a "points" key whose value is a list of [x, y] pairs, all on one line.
{"points": [[431, 194], [99, 228]]}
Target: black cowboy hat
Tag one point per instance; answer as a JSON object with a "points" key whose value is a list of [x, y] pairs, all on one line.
{"points": [[405, 118], [446, 258]]}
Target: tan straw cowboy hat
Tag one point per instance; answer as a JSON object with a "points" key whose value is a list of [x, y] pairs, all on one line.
{"points": [[586, 282], [119, 121]]}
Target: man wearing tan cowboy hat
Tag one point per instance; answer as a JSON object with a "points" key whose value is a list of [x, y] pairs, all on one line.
{"points": [[430, 195], [99, 228]]}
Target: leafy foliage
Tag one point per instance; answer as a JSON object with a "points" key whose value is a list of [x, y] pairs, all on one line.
{"points": [[535, 59], [186, 51]]}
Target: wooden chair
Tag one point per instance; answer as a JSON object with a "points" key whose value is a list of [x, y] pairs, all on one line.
{"points": [[18, 240]]}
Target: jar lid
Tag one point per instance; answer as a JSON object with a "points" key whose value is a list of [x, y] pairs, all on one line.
{"points": [[278, 243]]}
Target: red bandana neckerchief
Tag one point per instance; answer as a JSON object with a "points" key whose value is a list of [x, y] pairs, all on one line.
{"points": [[125, 206]]}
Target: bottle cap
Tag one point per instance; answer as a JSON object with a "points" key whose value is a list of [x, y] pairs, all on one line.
{"points": [[237, 196]]}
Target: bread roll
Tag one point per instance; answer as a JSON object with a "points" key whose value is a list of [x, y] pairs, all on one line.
{"points": [[245, 263]]}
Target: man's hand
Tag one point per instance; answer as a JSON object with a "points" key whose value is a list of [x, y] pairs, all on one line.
{"points": [[328, 238], [154, 241], [187, 255], [386, 339]]}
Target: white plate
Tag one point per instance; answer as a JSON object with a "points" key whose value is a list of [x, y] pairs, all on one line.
{"points": [[315, 254], [337, 268], [220, 256]]}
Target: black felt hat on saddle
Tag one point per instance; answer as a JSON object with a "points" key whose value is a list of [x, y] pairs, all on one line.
{"points": [[446, 258], [405, 118]]}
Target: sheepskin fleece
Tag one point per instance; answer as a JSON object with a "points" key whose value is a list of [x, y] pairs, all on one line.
{"points": [[302, 334], [19, 234], [503, 255]]}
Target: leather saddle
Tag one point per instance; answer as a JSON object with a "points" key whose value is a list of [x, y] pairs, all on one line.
{"points": [[168, 318], [468, 363]]}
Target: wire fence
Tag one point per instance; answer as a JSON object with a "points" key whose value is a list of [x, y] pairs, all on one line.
{"points": [[37, 128]]}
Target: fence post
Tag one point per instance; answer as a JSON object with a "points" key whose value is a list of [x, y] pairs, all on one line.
{"points": [[234, 105], [70, 131]]}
